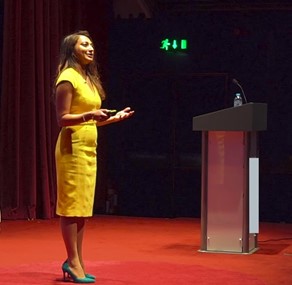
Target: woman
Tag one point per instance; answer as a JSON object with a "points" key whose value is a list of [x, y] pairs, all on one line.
{"points": [[79, 94]]}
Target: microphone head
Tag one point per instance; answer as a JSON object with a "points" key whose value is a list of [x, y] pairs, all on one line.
{"points": [[235, 81]]}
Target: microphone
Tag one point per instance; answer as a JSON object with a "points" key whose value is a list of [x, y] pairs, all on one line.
{"points": [[237, 83]]}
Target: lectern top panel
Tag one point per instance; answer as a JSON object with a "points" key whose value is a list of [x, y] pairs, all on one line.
{"points": [[247, 117]]}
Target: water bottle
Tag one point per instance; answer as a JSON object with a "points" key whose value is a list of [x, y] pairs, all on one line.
{"points": [[237, 100]]}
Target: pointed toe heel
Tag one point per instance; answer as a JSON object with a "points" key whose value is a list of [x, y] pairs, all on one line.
{"points": [[67, 273], [87, 275]]}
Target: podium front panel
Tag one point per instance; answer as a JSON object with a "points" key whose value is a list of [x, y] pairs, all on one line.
{"points": [[225, 184]]}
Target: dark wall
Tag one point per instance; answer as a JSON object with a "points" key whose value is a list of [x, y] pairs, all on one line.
{"points": [[1, 37], [155, 156]]}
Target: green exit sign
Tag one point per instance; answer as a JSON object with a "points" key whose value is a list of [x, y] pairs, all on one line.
{"points": [[174, 44]]}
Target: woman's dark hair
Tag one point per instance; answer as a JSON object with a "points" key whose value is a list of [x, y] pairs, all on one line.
{"points": [[68, 60]]}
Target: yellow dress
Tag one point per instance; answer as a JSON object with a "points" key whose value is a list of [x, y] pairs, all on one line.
{"points": [[75, 152]]}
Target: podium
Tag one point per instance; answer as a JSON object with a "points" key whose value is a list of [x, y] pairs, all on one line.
{"points": [[230, 177]]}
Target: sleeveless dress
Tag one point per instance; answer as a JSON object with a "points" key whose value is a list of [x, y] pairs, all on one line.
{"points": [[75, 152]]}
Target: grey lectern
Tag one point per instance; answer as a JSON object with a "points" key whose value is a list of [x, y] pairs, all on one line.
{"points": [[230, 177]]}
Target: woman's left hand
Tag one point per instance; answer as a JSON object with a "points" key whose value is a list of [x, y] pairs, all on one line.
{"points": [[119, 116], [124, 114]]}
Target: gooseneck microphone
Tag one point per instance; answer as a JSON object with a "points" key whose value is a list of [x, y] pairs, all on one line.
{"points": [[237, 83]]}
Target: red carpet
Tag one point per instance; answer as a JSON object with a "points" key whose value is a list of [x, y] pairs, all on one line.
{"points": [[141, 251], [117, 273]]}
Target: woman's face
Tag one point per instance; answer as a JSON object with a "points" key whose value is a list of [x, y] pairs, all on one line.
{"points": [[84, 50]]}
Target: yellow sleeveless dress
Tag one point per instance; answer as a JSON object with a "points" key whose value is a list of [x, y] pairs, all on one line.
{"points": [[75, 152]]}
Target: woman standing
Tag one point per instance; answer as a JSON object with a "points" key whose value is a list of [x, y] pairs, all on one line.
{"points": [[79, 94]]}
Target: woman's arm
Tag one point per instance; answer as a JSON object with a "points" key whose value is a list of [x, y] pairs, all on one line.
{"points": [[64, 95]]}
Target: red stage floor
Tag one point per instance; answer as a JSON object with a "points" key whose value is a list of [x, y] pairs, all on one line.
{"points": [[128, 250]]}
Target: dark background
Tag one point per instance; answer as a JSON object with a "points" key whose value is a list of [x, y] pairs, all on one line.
{"points": [[155, 157]]}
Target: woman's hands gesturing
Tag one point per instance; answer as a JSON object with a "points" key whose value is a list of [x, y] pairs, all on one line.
{"points": [[124, 114]]}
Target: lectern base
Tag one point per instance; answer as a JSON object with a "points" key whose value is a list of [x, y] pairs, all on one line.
{"points": [[229, 252]]}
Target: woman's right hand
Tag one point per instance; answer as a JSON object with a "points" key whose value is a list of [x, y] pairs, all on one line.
{"points": [[100, 115]]}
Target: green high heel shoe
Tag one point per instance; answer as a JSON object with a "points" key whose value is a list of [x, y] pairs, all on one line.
{"points": [[67, 270], [87, 275], [90, 276]]}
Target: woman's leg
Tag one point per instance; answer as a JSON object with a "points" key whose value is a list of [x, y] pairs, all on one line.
{"points": [[80, 232], [72, 231]]}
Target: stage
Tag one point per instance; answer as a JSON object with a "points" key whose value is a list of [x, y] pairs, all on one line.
{"points": [[132, 250]]}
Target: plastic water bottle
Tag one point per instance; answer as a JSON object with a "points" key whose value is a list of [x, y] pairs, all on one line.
{"points": [[237, 100]]}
